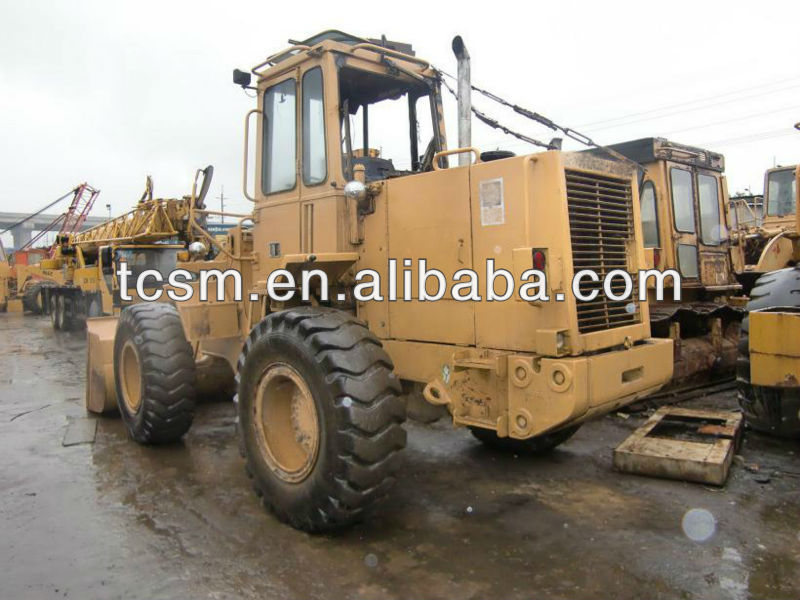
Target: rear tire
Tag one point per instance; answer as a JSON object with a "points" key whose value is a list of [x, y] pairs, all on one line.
{"points": [[32, 298], [154, 372], [771, 410], [539, 444], [320, 416]]}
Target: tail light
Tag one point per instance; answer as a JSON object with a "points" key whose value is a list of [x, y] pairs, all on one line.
{"points": [[539, 260]]}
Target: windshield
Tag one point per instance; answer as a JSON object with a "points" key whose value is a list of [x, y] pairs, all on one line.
{"points": [[781, 193], [388, 122], [649, 218], [711, 229], [139, 260], [682, 200]]}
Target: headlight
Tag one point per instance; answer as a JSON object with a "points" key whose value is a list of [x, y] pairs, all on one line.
{"points": [[197, 249], [355, 190]]}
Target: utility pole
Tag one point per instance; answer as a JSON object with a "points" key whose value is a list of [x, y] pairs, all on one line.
{"points": [[221, 198]]}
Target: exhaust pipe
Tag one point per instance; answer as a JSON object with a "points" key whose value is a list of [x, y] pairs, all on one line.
{"points": [[464, 100]]}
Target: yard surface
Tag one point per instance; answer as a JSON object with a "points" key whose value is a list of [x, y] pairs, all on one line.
{"points": [[112, 519]]}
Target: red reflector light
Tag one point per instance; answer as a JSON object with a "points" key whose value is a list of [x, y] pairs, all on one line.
{"points": [[539, 260]]}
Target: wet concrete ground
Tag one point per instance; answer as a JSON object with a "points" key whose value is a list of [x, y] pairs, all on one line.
{"points": [[112, 519]]}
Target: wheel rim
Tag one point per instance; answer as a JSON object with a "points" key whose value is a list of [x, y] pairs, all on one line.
{"points": [[286, 423], [131, 377]]}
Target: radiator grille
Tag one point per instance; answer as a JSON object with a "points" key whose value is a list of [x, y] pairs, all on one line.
{"points": [[601, 225]]}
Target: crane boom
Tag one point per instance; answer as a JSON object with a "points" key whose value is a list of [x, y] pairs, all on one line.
{"points": [[82, 202], [151, 221]]}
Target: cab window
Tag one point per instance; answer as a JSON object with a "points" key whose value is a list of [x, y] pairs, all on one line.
{"points": [[687, 261], [781, 193], [682, 200], [315, 163], [387, 123], [711, 229], [649, 216], [279, 135]]}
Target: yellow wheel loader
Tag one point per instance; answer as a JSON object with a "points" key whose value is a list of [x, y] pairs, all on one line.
{"points": [[767, 241], [352, 187], [768, 369]]}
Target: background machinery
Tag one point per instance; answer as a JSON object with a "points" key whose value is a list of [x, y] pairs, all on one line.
{"points": [[31, 268], [683, 196], [148, 237], [767, 242], [768, 370], [5, 278], [319, 379]]}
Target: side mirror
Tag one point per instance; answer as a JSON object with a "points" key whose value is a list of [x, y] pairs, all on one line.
{"points": [[241, 78]]}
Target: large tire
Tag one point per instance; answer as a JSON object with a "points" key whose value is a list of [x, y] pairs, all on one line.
{"points": [[540, 444], [336, 449], [95, 308], [32, 298], [55, 319], [769, 409], [154, 372], [64, 320]]}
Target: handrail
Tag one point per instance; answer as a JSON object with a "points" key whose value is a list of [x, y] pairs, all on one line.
{"points": [[272, 57], [246, 151], [442, 153], [390, 52]]}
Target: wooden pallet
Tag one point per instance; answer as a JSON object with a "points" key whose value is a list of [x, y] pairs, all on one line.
{"points": [[682, 443]]}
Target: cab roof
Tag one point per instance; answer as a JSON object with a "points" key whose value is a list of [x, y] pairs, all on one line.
{"points": [[651, 149], [336, 35]]}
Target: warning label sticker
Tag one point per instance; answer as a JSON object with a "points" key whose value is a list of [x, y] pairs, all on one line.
{"points": [[493, 208]]}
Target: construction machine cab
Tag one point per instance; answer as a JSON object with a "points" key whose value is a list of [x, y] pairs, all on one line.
{"points": [[683, 195], [768, 243], [779, 197], [341, 108]]}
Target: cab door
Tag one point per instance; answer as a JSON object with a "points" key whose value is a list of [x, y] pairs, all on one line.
{"points": [[277, 191], [321, 196], [685, 222], [715, 270]]}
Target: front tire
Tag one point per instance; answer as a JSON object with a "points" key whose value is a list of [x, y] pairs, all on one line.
{"points": [[540, 444], [320, 415], [154, 372], [64, 321]]}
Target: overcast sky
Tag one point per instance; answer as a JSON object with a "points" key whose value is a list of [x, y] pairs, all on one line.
{"points": [[108, 92]]}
